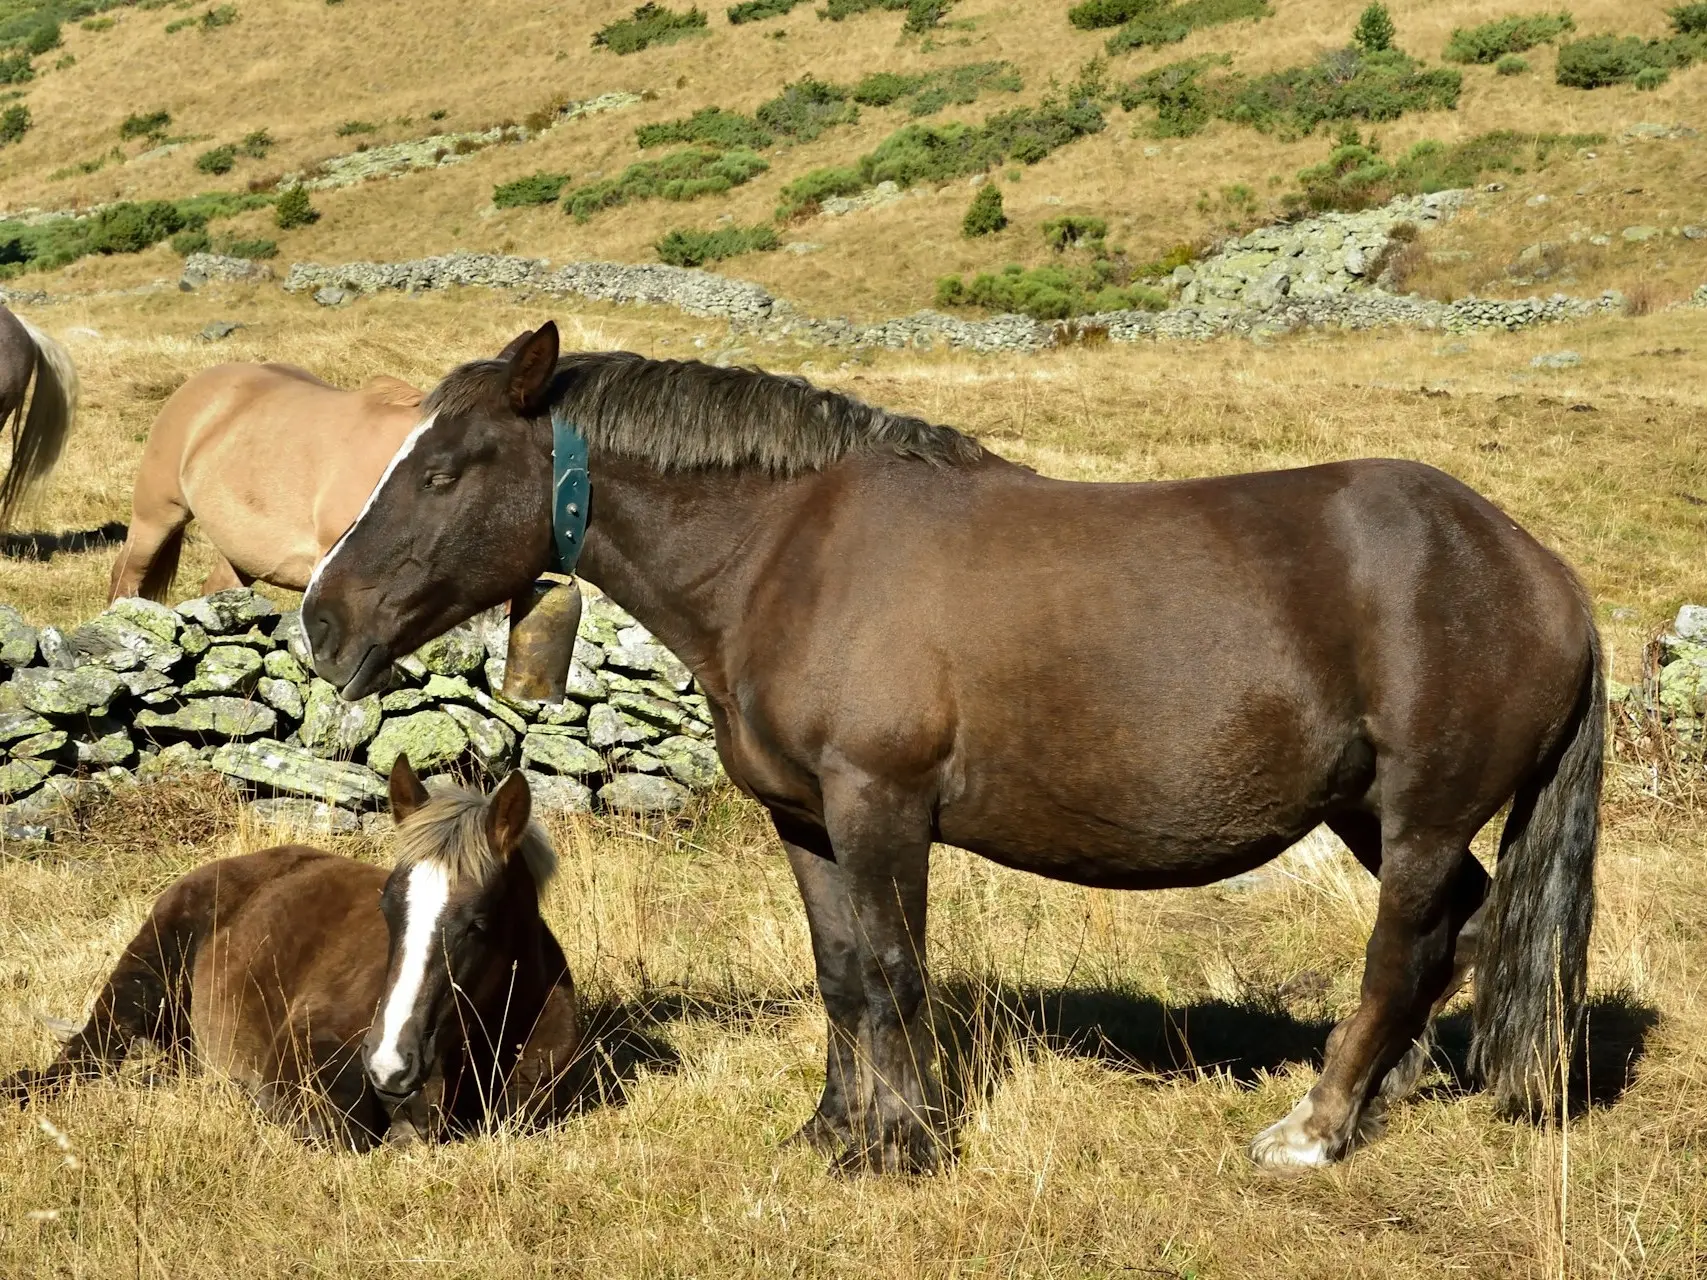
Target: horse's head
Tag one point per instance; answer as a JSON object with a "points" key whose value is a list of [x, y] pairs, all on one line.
{"points": [[462, 910], [459, 521]]}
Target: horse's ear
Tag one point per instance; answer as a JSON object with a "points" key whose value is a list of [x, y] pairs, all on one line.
{"points": [[507, 814], [533, 364], [407, 793], [514, 345]]}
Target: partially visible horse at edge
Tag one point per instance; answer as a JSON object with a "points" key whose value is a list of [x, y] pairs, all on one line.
{"points": [[272, 461], [353, 1005], [905, 639], [40, 420]]}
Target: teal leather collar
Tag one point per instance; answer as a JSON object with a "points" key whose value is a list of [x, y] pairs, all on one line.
{"points": [[571, 489]]}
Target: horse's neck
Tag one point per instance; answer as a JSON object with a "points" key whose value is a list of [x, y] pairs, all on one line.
{"points": [[683, 551]]}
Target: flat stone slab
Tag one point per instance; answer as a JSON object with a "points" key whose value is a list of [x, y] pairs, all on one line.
{"points": [[560, 754], [216, 719], [299, 814], [432, 740], [236, 609], [643, 794], [558, 795], [51, 692], [277, 766]]}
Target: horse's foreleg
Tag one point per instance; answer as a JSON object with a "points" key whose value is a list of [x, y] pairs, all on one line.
{"points": [[836, 957], [1428, 896], [881, 838]]}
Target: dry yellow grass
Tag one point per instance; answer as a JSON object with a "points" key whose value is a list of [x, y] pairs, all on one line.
{"points": [[1185, 1020]]}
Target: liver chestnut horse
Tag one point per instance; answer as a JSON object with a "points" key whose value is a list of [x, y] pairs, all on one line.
{"points": [[906, 639], [274, 463], [41, 420], [269, 968]]}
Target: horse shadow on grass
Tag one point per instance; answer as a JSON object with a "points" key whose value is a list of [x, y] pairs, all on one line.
{"points": [[44, 546], [983, 1029]]}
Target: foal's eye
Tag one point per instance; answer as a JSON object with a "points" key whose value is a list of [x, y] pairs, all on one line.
{"points": [[440, 480], [479, 924]]}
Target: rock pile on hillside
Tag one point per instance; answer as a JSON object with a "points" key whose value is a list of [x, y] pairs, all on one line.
{"points": [[1674, 687], [224, 683]]}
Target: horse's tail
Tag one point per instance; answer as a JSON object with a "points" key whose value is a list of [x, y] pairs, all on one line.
{"points": [[1532, 968], [37, 444]]}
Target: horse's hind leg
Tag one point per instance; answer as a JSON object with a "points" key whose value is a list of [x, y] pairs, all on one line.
{"points": [[1428, 895], [835, 952], [148, 561], [1361, 833], [223, 576]]}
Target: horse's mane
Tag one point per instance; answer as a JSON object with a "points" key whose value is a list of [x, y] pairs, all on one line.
{"points": [[450, 831], [384, 389], [681, 414]]}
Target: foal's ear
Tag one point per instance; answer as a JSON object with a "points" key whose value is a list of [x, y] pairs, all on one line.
{"points": [[407, 793], [507, 814], [533, 363]]}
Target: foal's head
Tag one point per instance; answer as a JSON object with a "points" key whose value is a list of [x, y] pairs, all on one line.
{"points": [[462, 908], [470, 488]]}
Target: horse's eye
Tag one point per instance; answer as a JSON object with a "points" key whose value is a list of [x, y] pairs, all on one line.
{"points": [[440, 480], [479, 924]]}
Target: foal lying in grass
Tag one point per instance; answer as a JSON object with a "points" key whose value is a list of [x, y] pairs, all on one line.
{"points": [[354, 1005]]}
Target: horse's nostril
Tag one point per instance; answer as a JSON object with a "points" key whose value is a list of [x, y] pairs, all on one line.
{"points": [[322, 635]]}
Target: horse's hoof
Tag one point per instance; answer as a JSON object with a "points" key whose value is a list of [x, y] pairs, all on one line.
{"points": [[913, 1153], [823, 1136], [1286, 1147]]}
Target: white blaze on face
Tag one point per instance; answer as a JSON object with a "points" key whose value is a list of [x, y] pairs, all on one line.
{"points": [[403, 451], [423, 904]]}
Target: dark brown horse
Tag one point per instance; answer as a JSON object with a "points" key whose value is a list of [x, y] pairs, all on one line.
{"points": [[906, 639], [269, 969]]}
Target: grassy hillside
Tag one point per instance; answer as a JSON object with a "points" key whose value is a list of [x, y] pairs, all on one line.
{"points": [[303, 70]]}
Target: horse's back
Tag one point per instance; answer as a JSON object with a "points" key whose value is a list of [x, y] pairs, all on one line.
{"points": [[293, 961], [274, 462]]}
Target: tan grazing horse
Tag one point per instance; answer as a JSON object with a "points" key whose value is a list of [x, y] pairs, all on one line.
{"points": [[39, 427], [275, 463]]}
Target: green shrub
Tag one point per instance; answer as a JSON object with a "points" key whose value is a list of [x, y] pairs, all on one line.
{"points": [[836, 10], [148, 125], [256, 145], [682, 175], [1491, 41], [294, 209], [1073, 230], [1598, 61], [984, 216], [648, 25], [1356, 176], [806, 193], [15, 68], [1344, 85], [196, 240], [132, 226], [1689, 19], [684, 248], [257, 249], [223, 16], [537, 188], [884, 88], [1375, 31], [217, 160], [805, 108], [42, 38], [1511, 65], [758, 10], [97, 24], [1093, 15], [350, 128], [14, 123], [1171, 23], [938, 153], [922, 15], [1053, 292], [712, 126], [1651, 78]]}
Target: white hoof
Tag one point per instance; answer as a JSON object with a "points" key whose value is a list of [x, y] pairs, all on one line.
{"points": [[1284, 1147]]}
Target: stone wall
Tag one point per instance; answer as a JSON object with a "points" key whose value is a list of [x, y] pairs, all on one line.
{"points": [[1674, 683], [224, 684], [1322, 272]]}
